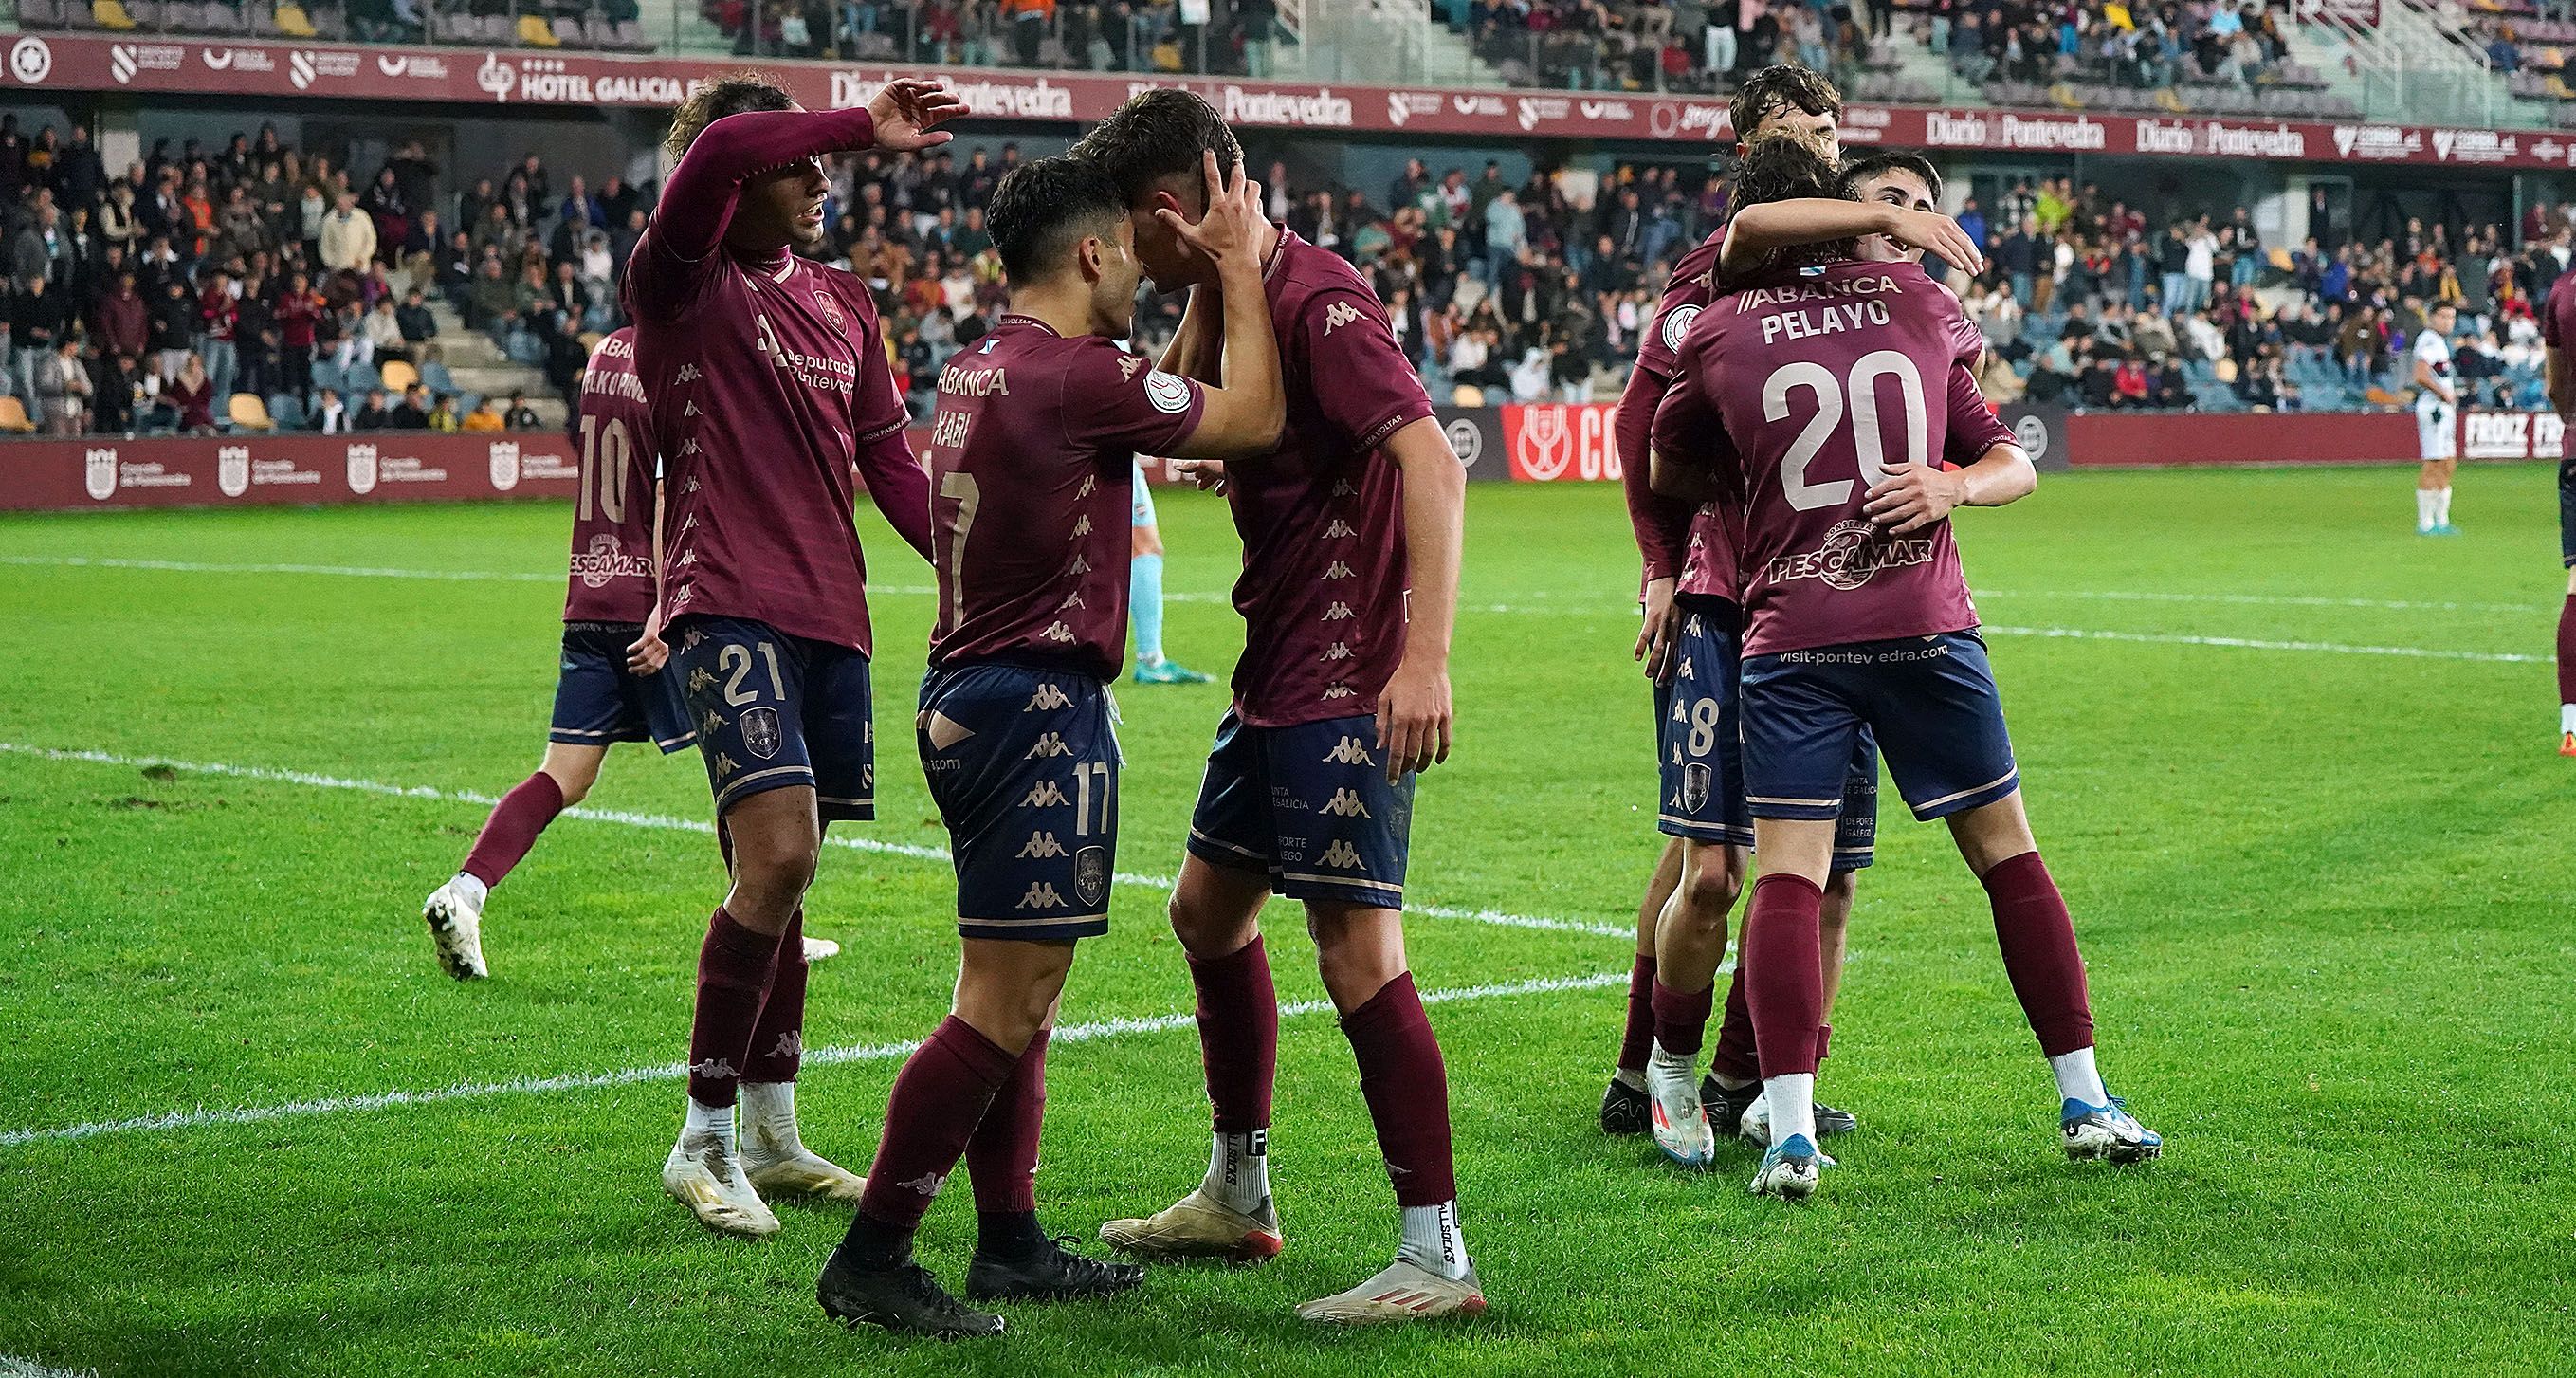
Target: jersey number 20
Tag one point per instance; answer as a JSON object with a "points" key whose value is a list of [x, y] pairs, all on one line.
{"points": [[1857, 395]]}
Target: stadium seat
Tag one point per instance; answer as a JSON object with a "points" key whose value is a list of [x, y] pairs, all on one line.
{"points": [[40, 14], [13, 416], [112, 14], [287, 410], [1467, 395], [534, 32], [436, 376], [248, 413], [399, 375], [327, 375], [293, 22]]}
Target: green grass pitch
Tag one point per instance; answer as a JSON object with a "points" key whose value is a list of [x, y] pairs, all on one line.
{"points": [[2323, 881]]}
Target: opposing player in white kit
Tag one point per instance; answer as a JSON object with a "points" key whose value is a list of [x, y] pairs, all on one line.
{"points": [[2437, 421]]}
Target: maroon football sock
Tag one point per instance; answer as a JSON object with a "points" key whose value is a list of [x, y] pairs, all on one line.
{"points": [[1238, 1035], [734, 968], [2038, 940], [2567, 650], [1637, 1040], [513, 827], [1785, 985], [1002, 1155], [941, 1094], [1407, 1089], [1824, 1042], [1681, 1018], [778, 1040], [1735, 1058]]}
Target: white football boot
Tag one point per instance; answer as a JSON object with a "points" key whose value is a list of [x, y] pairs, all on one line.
{"points": [[774, 1156], [1789, 1170], [1403, 1291], [455, 920], [821, 950], [705, 1175], [1679, 1122]]}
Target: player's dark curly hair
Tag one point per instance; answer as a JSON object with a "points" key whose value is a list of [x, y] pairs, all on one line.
{"points": [[1778, 88], [730, 94], [1046, 206], [1869, 165], [1788, 170], [1159, 134]]}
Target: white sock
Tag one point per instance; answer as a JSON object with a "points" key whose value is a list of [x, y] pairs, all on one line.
{"points": [[711, 1119], [1793, 1106], [1239, 1171], [769, 1114], [1634, 1081], [1432, 1241], [2423, 509], [2566, 718], [2441, 507], [1671, 1064], [2076, 1079], [473, 889]]}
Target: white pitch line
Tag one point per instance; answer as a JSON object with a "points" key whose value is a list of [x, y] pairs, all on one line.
{"points": [[666, 822], [340, 571], [1088, 1032], [2245, 643], [12, 1366]]}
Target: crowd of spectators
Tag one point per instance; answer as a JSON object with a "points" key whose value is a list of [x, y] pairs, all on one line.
{"points": [[151, 299]]}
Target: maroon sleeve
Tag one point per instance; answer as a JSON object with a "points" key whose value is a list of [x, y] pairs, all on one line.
{"points": [[2553, 332], [896, 482], [699, 196], [1365, 385], [1690, 428], [1974, 427], [1661, 524], [1117, 400]]}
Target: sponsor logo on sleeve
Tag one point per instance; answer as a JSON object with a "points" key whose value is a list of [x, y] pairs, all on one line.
{"points": [[1165, 393], [1677, 324]]}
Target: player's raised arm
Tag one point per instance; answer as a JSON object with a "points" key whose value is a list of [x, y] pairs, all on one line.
{"points": [[1243, 416], [1759, 231]]}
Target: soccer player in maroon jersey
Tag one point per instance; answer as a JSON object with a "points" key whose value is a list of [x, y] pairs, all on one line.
{"points": [[769, 388], [1818, 398], [1349, 595], [2557, 337], [599, 699], [1032, 456]]}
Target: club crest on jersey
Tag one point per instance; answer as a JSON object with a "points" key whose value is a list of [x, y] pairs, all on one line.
{"points": [[362, 469], [760, 732], [1165, 393], [1091, 874], [232, 470], [1695, 786], [505, 465], [1677, 324], [1852, 554], [831, 310]]}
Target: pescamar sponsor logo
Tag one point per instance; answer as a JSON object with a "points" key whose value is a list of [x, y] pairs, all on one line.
{"points": [[1852, 554], [2384, 141], [1950, 129]]}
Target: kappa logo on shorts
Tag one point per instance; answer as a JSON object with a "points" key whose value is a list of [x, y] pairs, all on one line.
{"points": [[699, 680], [1049, 698], [1041, 896], [1044, 795], [1349, 752], [1337, 315], [711, 724], [1696, 779], [1686, 672], [714, 1069], [1042, 846], [1680, 713], [1346, 804], [760, 732], [1344, 856], [1091, 874], [1050, 744], [726, 765], [790, 1043]]}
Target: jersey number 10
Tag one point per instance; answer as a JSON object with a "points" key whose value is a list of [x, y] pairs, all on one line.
{"points": [[604, 457]]}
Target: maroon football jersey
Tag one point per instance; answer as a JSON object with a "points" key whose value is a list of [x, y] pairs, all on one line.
{"points": [[612, 518], [768, 382], [1796, 390], [1322, 517], [2558, 313], [1705, 559], [1032, 463]]}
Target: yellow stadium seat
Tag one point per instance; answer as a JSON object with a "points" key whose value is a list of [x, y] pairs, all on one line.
{"points": [[293, 22], [111, 14], [1467, 395], [249, 413], [399, 375], [13, 416], [535, 32]]}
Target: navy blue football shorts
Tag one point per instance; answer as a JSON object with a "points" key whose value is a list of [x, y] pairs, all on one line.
{"points": [[599, 701], [1023, 764], [775, 711], [1700, 758], [1930, 700], [1308, 806]]}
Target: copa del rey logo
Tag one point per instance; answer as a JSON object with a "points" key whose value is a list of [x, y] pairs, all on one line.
{"points": [[1562, 441], [505, 465]]}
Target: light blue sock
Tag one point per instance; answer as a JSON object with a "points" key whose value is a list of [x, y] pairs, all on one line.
{"points": [[1145, 607]]}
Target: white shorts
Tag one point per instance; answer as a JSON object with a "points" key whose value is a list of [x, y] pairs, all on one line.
{"points": [[2437, 431], [1143, 512]]}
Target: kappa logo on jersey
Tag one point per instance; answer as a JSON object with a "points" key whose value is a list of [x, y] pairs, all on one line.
{"points": [[1852, 554], [689, 409], [1339, 314], [1042, 846], [1089, 483], [1338, 530], [688, 374], [1049, 698], [1343, 855], [1127, 366], [1345, 804], [1341, 651], [1091, 874], [1349, 752], [1079, 566], [1057, 632], [1044, 795], [1071, 600], [1341, 691], [1041, 896], [1082, 526], [1339, 612], [1677, 324], [1343, 488], [1337, 570], [760, 731], [1690, 626], [1049, 745]]}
